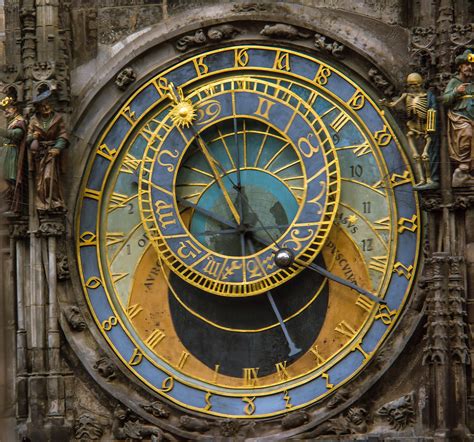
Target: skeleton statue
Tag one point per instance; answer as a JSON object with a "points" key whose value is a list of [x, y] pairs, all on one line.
{"points": [[420, 108]]}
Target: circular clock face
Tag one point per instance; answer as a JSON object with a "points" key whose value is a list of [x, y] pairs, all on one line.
{"points": [[211, 169]]}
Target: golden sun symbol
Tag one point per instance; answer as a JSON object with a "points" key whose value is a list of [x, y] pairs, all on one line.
{"points": [[183, 113]]}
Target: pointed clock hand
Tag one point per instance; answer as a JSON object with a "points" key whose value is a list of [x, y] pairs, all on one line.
{"points": [[294, 350], [217, 175], [330, 275], [209, 214]]}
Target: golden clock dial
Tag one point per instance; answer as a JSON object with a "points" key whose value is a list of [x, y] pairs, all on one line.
{"points": [[256, 170], [190, 191]]}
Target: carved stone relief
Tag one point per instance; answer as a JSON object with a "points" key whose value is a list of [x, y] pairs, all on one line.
{"points": [[284, 31], [86, 427], [105, 368], [74, 318], [399, 413], [125, 78], [212, 35]]}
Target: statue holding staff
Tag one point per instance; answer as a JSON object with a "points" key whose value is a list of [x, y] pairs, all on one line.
{"points": [[47, 137]]}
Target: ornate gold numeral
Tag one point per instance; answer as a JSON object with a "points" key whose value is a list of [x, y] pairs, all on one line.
{"points": [[385, 314], [382, 224], [136, 357], [264, 107], [109, 323], [208, 401], [287, 399], [362, 149], [241, 58], [325, 376], [357, 101], [117, 200], [345, 329], [249, 409], [92, 194], [155, 338], [365, 303], [201, 67], [130, 164], [93, 282], [383, 137], [378, 263], [322, 76], [282, 61], [408, 224], [402, 270], [315, 352], [340, 121], [250, 376], [112, 238], [118, 276], [183, 358], [134, 310], [87, 239], [167, 384], [129, 115], [282, 370], [105, 152]]}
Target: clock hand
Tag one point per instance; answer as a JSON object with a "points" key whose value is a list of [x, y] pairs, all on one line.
{"points": [[246, 229], [322, 271], [313, 266], [239, 188], [217, 175], [294, 350], [209, 214]]}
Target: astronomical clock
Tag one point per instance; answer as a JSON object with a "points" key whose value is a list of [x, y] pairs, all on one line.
{"points": [[246, 233]]}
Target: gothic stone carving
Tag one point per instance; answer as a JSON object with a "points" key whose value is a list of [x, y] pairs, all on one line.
{"points": [[105, 368], [201, 37], [87, 427], [125, 78], [283, 31], [399, 413], [19, 230], [62, 266], [74, 318], [294, 420], [331, 47], [379, 81], [250, 7], [51, 228], [194, 424], [353, 422], [156, 409], [127, 426]]}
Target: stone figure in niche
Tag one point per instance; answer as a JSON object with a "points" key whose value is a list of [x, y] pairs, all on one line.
{"points": [[459, 99], [12, 155], [421, 112], [47, 137]]}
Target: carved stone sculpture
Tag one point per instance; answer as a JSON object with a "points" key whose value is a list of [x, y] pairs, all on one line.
{"points": [[105, 368], [125, 78], [194, 424], [47, 137], [12, 155], [294, 420], [459, 98], [334, 48], [353, 422], [380, 82], [74, 318], [280, 30], [156, 409], [399, 413], [127, 426], [200, 37], [86, 427], [420, 108]]}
